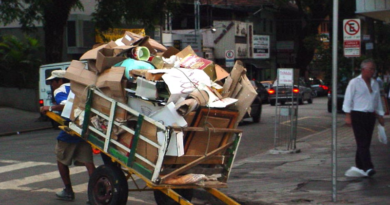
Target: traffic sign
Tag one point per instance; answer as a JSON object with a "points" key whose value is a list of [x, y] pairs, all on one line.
{"points": [[352, 30], [229, 54], [229, 58], [352, 37]]}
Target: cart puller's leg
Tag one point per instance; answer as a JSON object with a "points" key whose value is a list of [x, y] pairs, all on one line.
{"points": [[175, 196], [221, 196]]}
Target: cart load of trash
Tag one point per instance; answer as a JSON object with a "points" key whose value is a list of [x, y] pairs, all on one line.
{"points": [[173, 87]]}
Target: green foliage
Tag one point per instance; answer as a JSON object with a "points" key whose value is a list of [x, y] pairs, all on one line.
{"points": [[345, 68], [20, 62], [114, 13]]}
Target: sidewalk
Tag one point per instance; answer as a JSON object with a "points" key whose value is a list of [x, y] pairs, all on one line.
{"points": [[301, 178], [13, 121], [306, 177]]}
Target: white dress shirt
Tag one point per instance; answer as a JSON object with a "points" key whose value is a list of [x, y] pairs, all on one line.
{"points": [[358, 97]]}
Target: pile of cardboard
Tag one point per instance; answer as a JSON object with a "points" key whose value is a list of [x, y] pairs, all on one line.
{"points": [[167, 87]]}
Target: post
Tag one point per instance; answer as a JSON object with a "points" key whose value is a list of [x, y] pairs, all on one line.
{"points": [[334, 98]]}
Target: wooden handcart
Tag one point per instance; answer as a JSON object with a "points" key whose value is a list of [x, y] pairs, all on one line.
{"points": [[210, 146]]}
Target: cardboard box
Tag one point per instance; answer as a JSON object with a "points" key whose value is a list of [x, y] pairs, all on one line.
{"points": [[92, 54], [76, 72], [131, 38], [245, 98], [125, 139], [109, 82], [146, 74], [235, 75], [192, 61], [106, 59]]}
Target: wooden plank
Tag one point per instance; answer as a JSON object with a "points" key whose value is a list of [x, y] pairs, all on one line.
{"points": [[188, 158], [194, 163]]}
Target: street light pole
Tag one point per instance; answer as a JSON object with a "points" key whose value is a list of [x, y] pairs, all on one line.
{"points": [[334, 98]]}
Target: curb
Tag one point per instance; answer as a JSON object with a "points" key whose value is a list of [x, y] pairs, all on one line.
{"points": [[24, 131]]}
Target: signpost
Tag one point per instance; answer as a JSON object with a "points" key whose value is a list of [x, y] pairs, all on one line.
{"points": [[352, 37], [229, 58], [261, 46]]}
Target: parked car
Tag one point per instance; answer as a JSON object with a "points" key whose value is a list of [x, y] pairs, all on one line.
{"points": [[341, 87], [318, 87], [267, 84], [262, 92], [299, 93]]}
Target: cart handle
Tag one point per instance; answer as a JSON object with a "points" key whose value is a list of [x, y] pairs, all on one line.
{"points": [[204, 129]]}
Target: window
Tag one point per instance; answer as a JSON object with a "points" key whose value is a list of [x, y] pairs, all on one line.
{"points": [[71, 33]]}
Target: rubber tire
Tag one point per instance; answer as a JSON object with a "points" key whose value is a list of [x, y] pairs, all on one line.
{"points": [[163, 199], [272, 102], [257, 117], [108, 180], [310, 100]]}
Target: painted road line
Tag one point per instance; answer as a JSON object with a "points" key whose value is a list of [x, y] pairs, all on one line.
{"points": [[18, 183], [22, 165]]}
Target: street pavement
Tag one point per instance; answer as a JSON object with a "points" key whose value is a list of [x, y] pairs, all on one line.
{"points": [[295, 178]]}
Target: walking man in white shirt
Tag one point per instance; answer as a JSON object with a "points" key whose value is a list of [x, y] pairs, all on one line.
{"points": [[363, 105]]}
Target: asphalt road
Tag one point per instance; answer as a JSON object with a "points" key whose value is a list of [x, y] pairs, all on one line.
{"points": [[258, 138], [28, 173]]}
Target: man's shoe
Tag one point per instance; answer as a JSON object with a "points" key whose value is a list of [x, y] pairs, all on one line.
{"points": [[370, 172], [63, 195], [355, 172]]}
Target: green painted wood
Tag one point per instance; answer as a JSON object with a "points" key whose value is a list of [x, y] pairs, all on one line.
{"points": [[134, 141], [87, 113]]}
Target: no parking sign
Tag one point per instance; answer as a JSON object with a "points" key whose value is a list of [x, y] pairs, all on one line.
{"points": [[229, 58], [352, 37]]}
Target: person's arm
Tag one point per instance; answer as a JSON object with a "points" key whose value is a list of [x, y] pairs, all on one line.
{"points": [[348, 120], [44, 109], [381, 120], [347, 103]]}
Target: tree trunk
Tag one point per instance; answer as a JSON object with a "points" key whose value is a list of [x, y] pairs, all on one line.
{"points": [[320, 10], [56, 15]]}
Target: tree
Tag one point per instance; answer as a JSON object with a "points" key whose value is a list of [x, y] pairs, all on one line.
{"points": [[53, 14], [19, 62], [312, 13]]}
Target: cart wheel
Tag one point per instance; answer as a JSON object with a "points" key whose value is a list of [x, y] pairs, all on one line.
{"points": [[108, 186], [163, 199]]}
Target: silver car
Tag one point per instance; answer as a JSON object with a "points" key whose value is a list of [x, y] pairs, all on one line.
{"points": [[299, 93]]}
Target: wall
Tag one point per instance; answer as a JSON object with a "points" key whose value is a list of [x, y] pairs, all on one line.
{"points": [[24, 99]]}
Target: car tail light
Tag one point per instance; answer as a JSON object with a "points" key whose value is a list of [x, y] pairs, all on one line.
{"points": [[271, 91], [40, 102], [295, 90], [324, 87]]}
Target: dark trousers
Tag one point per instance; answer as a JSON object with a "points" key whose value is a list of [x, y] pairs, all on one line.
{"points": [[363, 126]]}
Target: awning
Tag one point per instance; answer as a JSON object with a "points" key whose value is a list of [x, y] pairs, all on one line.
{"points": [[382, 15]]}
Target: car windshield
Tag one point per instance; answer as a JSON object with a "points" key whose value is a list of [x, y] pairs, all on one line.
{"points": [[315, 82]]}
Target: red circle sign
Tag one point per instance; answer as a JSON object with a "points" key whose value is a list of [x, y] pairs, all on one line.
{"points": [[229, 54], [351, 27]]}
